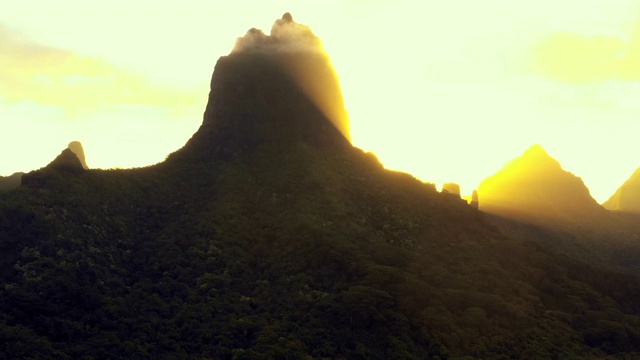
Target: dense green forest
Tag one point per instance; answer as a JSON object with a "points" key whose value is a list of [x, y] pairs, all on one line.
{"points": [[268, 236], [287, 255]]}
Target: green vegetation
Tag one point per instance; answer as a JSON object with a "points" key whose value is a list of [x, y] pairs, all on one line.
{"points": [[296, 254]]}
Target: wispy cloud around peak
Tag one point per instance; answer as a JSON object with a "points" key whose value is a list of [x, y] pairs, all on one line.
{"points": [[286, 36]]}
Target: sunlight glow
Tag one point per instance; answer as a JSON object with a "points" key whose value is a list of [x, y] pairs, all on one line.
{"points": [[448, 91]]}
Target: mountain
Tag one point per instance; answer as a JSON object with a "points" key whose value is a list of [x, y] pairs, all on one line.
{"points": [[533, 198], [268, 236], [534, 186], [276, 90], [77, 149], [627, 197], [13, 181]]}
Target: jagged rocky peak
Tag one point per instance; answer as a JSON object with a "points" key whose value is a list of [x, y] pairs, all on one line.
{"points": [[278, 88], [451, 188], [474, 200], [627, 197], [286, 36], [77, 149]]}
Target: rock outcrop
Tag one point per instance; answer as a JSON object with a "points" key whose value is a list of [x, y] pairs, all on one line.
{"points": [[77, 149], [451, 188], [474, 200], [67, 162], [272, 90]]}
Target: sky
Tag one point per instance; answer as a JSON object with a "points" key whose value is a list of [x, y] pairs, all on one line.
{"points": [[448, 91]]}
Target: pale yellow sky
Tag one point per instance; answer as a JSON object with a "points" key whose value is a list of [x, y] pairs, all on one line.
{"points": [[445, 90]]}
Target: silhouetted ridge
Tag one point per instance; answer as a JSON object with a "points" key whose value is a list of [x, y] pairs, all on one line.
{"points": [[64, 165], [535, 184], [64, 162], [301, 247], [274, 91], [67, 161]]}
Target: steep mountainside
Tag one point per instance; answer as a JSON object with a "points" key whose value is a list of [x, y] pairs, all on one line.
{"points": [[627, 197], [533, 198], [77, 149], [268, 236]]}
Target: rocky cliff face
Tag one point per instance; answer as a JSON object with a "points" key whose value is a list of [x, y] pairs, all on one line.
{"points": [[474, 200], [277, 89], [535, 184], [627, 197], [451, 188], [77, 149]]}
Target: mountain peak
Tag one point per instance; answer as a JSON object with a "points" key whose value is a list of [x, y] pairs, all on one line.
{"points": [[272, 89], [535, 184], [536, 159], [286, 36], [67, 161], [536, 150], [77, 149]]}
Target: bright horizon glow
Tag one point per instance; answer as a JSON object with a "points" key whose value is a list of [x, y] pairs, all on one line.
{"points": [[447, 91]]}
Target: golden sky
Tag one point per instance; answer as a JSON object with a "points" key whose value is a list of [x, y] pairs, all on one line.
{"points": [[446, 90]]}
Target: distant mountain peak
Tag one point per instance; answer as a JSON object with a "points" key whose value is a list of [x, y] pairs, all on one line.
{"points": [[536, 159], [627, 196], [67, 161], [536, 148], [272, 89], [538, 152], [77, 149], [535, 184]]}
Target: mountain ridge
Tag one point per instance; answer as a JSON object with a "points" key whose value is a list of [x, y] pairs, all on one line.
{"points": [[261, 240]]}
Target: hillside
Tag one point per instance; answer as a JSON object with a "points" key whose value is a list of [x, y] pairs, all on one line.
{"points": [[268, 236], [533, 199]]}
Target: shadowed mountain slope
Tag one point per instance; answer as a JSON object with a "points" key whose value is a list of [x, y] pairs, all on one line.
{"points": [[268, 236]]}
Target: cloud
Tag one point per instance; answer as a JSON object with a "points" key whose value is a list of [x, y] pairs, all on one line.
{"points": [[286, 36], [576, 58], [30, 71]]}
